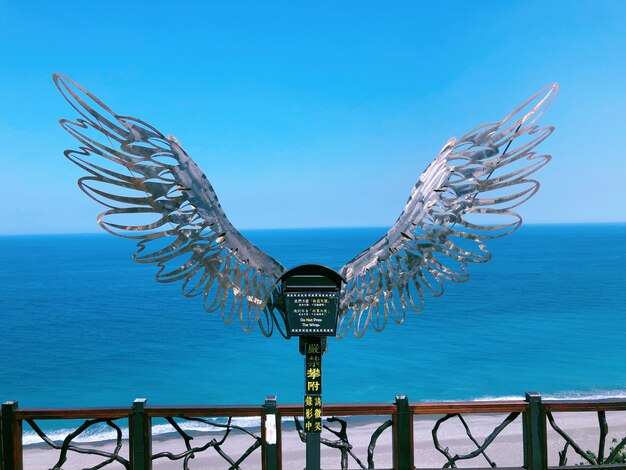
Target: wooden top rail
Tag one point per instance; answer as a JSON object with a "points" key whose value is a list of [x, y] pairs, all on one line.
{"points": [[336, 409], [611, 404], [448, 407], [348, 409], [208, 411], [73, 413]]}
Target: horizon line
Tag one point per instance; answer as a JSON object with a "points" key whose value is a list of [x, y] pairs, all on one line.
{"points": [[360, 227]]}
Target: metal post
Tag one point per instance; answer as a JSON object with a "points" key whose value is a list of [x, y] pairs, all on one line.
{"points": [[313, 349], [403, 435], [271, 435], [313, 460], [11, 437], [140, 436], [535, 443]]}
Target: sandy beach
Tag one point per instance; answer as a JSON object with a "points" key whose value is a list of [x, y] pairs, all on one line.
{"points": [[505, 450]]}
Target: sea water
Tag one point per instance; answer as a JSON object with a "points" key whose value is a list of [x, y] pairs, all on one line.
{"points": [[83, 325]]}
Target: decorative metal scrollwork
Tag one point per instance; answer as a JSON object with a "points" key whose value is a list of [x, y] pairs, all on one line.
{"points": [[66, 446], [480, 448], [215, 444], [617, 454], [343, 443]]}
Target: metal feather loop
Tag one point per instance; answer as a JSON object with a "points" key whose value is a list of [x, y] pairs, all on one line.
{"points": [[156, 194], [465, 196]]}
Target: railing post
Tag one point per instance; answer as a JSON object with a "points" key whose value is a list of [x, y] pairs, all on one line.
{"points": [[11, 437], [140, 436], [403, 435], [270, 432], [534, 428]]}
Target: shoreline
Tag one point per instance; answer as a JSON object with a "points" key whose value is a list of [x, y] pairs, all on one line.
{"points": [[505, 450], [253, 423]]}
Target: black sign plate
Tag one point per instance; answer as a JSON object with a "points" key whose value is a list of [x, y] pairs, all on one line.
{"points": [[312, 313]]}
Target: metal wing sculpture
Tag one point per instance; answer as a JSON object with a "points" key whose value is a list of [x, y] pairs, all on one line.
{"points": [[156, 194], [464, 197]]}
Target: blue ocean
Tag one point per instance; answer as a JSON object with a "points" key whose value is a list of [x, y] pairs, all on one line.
{"points": [[83, 325]]}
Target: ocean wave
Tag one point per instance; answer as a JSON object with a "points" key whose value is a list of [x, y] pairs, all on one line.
{"points": [[102, 432], [565, 395]]}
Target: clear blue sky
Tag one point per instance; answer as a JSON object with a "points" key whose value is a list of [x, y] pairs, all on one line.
{"points": [[313, 113]]}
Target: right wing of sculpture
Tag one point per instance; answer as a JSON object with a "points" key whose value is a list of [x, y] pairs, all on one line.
{"points": [[465, 197], [156, 194]]}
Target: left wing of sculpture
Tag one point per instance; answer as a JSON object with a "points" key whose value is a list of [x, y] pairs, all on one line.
{"points": [[466, 196], [156, 194]]}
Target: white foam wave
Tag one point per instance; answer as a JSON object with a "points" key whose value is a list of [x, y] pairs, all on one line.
{"points": [[568, 395], [93, 434], [101, 433]]}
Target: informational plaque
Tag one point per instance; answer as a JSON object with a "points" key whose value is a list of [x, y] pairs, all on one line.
{"points": [[312, 313]]}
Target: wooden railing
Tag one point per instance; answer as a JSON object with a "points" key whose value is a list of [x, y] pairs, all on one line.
{"points": [[265, 441]]}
